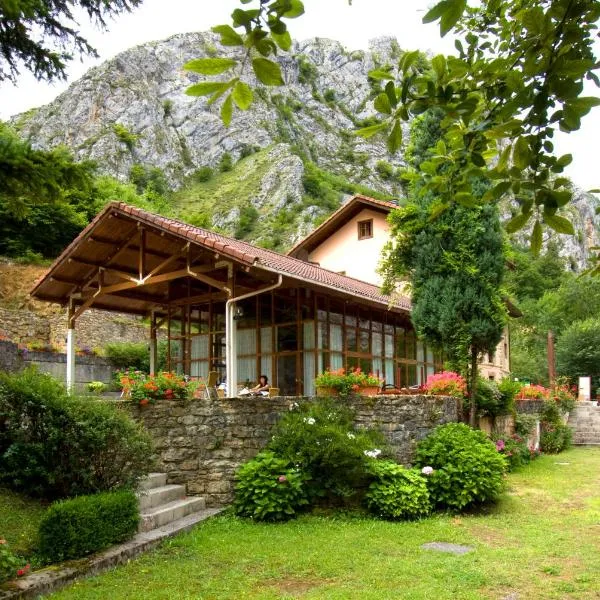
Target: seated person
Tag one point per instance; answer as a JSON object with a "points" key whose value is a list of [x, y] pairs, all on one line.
{"points": [[260, 389]]}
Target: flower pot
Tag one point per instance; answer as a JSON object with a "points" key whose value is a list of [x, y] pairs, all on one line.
{"points": [[326, 392], [371, 390]]}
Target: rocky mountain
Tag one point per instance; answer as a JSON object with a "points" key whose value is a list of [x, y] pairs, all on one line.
{"points": [[280, 167]]}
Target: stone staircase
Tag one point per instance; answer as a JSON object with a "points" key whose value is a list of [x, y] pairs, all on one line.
{"points": [[164, 505], [584, 420]]}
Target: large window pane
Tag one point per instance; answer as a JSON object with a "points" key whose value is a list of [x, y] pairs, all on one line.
{"points": [[377, 344], [363, 337], [246, 341], [390, 372], [287, 338], [266, 341], [389, 345], [322, 338], [266, 368], [199, 347], [247, 371], [336, 361], [335, 338], [199, 368], [351, 342], [309, 335], [309, 373]]}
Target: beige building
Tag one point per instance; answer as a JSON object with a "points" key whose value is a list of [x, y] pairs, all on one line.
{"points": [[350, 242]]}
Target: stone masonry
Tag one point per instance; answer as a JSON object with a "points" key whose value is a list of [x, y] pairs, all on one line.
{"points": [[202, 443]]}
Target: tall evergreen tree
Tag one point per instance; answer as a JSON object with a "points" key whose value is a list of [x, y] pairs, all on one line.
{"points": [[454, 259]]}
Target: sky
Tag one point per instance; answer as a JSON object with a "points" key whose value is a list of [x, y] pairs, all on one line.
{"points": [[352, 25]]}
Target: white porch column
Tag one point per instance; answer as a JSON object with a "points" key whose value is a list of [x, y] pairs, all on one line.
{"points": [[70, 357], [230, 349]]}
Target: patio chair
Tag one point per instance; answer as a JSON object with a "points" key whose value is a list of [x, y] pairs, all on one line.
{"points": [[211, 385]]}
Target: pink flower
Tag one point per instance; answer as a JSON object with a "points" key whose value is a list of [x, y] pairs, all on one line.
{"points": [[500, 445], [427, 470], [282, 479]]}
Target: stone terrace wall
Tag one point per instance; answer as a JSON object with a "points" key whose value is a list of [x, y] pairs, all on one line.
{"points": [[201, 443]]}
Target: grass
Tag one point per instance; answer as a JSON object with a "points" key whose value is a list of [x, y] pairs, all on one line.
{"points": [[540, 541], [19, 520]]}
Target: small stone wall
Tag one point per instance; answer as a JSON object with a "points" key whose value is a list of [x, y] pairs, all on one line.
{"points": [[202, 443], [87, 368], [94, 329]]}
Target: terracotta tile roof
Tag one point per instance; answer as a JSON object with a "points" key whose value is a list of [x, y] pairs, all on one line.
{"points": [[261, 257], [340, 215], [240, 251]]}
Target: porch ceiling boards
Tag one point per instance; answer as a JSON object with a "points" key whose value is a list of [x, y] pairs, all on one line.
{"points": [[129, 260]]}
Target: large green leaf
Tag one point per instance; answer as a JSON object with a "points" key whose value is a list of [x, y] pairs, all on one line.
{"points": [[205, 88], [382, 104], [521, 153], [283, 40], [559, 224], [439, 65], [380, 74], [229, 36], [242, 95], [517, 222], [209, 66], [227, 111], [448, 12], [371, 130], [267, 71], [395, 138], [296, 9], [466, 199], [536, 238]]}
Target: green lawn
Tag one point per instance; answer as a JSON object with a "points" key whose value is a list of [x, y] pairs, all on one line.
{"points": [[19, 520], [541, 541]]}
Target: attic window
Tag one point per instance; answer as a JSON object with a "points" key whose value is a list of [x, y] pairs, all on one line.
{"points": [[365, 229]]}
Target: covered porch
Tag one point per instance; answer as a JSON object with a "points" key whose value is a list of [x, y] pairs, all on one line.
{"points": [[231, 307]]}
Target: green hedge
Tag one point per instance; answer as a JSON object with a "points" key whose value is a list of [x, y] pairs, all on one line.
{"points": [[53, 445], [80, 526]]}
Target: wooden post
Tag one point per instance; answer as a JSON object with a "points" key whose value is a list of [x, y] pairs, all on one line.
{"points": [[551, 361], [153, 348]]}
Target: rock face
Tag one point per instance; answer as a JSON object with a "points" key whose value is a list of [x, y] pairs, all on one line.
{"points": [[140, 92], [133, 110]]}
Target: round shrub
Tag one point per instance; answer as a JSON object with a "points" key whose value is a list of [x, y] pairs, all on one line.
{"points": [[55, 445], [396, 492], [555, 438], [269, 489], [320, 437], [468, 469]]}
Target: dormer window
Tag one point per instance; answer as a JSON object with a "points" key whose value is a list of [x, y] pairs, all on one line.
{"points": [[365, 229]]}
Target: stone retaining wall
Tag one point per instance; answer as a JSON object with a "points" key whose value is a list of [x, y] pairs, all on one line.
{"points": [[202, 443]]}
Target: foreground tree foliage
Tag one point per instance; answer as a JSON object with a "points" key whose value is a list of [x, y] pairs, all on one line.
{"points": [[42, 34], [517, 78]]}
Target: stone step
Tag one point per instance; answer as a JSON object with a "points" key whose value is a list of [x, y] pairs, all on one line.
{"points": [[167, 513], [156, 496], [153, 480]]}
